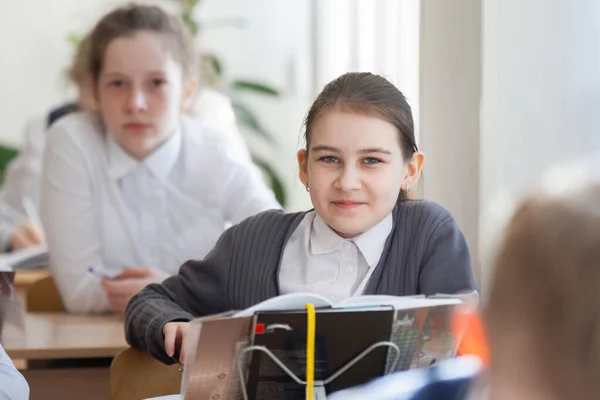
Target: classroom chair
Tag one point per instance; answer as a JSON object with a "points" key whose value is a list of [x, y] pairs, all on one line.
{"points": [[43, 296], [135, 375]]}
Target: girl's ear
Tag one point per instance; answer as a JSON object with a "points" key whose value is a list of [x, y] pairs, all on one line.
{"points": [[190, 88], [414, 167], [303, 166]]}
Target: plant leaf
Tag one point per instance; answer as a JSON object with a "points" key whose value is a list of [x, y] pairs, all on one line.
{"points": [[215, 63], [274, 182], [7, 153], [246, 117], [256, 87]]}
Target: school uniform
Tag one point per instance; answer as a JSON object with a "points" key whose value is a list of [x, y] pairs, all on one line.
{"points": [[417, 249], [103, 208]]}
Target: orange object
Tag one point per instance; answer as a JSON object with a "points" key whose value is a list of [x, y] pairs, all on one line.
{"points": [[469, 326]]}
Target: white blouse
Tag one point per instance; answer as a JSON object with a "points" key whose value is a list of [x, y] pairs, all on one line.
{"points": [[102, 208], [318, 260]]}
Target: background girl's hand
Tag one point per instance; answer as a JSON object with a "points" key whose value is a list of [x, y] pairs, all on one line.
{"points": [[27, 235]]}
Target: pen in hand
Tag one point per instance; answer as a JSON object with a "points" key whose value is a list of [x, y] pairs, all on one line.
{"points": [[101, 273]]}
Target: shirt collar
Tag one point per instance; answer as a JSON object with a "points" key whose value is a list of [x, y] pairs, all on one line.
{"points": [[372, 242], [119, 162], [323, 239], [160, 162]]}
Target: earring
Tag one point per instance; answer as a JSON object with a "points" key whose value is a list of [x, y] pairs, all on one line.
{"points": [[307, 188]]}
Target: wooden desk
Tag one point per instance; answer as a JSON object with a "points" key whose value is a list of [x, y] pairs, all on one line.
{"points": [[56, 336], [60, 335], [25, 278]]}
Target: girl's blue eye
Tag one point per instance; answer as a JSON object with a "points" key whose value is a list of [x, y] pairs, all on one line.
{"points": [[372, 160], [329, 159]]}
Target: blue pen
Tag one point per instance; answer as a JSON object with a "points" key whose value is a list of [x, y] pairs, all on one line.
{"points": [[101, 273]]}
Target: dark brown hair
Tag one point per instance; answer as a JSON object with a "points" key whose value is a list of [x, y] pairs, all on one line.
{"points": [[368, 94], [128, 20], [543, 310]]}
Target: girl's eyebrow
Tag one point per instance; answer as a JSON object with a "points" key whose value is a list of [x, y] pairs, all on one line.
{"points": [[325, 148], [361, 151], [119, 74], [375, 150]]}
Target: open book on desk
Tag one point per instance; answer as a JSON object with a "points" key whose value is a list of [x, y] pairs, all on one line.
{"points": [[420, 327], [30, 258]]}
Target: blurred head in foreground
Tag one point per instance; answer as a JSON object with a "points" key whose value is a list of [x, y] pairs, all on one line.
{"points": [[542, 313]]}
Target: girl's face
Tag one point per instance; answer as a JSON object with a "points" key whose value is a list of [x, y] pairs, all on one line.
{"points": [[354, 170], [141, 93]]}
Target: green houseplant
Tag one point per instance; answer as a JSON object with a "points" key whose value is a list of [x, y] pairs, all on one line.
{"points": [[7, 153]]}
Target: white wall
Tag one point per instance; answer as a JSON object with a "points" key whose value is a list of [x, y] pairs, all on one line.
{"points": [[378, 36], [508, 88], [541, 92], [274, 47], [35, 53], [450, 86]]}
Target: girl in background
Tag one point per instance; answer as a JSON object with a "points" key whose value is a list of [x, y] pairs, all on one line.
{"points": [[135, 189]]}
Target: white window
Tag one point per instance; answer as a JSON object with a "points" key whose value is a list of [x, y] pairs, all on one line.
{"points": [[379, 36]]}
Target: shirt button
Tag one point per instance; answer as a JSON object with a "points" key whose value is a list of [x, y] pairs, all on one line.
{"points": [[349, 269]]}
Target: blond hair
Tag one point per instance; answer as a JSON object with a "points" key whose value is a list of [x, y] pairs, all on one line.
{"points": [[125, 21]]}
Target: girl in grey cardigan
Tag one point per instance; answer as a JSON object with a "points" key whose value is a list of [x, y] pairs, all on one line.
{"points": [[363, 236]]}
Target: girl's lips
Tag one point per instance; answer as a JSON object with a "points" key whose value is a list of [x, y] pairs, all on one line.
{"points": [[136, 126], [348, 205]]}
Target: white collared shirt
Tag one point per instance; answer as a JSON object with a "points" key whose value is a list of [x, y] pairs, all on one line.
{"points": [[316, 259], [102, 208]]}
